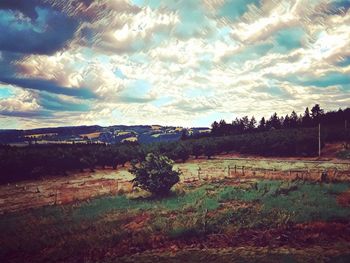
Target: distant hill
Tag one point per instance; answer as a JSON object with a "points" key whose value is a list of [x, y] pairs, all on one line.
{"points": [[97, 134]]}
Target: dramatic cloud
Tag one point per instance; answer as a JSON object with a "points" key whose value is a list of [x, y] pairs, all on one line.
{"points": [[185, 62]]}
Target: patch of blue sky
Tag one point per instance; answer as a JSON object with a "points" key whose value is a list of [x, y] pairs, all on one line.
{"points": [[159, 37], [41, 21], [345, 88], [139, 3], [279, 92], [138, 45], [205, 62], [288, 39], [119, 74], [161, 101], [233, 9], [104, 59], [87, 52], [137, 89], [154, 4], [344, 62], [140, 58], [117, 114], [250, 53], [209, 118], [189, 25], [198, 92], [223, 34], [10, 18], [330, 79], [224, 31], [192, 16], [6, 92]]}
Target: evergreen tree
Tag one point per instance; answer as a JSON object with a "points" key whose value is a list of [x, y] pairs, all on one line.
{"points": [[262, 124], [316, 113], [274, 121], [252, 124], [294, 119], [306, 120]]}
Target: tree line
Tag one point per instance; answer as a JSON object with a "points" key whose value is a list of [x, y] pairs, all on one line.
{"points": [[274, 138], [36, 161], [308, 119]]}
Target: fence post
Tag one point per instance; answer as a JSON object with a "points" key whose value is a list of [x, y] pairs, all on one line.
{"points": [[228, 171]]}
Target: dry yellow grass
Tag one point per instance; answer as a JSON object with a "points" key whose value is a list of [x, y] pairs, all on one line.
{"points": [[92, 135], [156, 127], [124, 133], [130, 139]]}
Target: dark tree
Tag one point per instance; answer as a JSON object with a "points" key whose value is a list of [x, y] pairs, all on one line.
{"points": [[316, 113], [252, 124], [294, 119], [262, 124], [155, 174], [197, 149], [306, 120], [274, 121]]}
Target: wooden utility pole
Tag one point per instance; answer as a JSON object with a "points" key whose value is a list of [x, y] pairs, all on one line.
{"points": [[319, 140]]}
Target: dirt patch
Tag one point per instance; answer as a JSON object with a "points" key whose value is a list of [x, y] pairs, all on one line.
{"points": [[138, 222], [344, 199], [232, 205], [236, 204]]}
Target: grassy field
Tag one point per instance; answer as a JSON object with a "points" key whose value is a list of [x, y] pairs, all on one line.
{"points": [[224, 221], [282, 165]]}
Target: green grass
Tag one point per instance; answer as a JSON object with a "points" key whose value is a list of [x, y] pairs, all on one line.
{"points": [[70, 230]]}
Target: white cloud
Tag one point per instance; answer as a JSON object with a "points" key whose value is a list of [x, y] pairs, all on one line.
{"points": [[193, 77], [21, 101]]}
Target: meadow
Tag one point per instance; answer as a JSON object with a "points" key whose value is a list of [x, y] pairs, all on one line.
{"points": [[224, 220]]}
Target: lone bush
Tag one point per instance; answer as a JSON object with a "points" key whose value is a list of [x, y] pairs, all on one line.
{"points": [[155, 174]]}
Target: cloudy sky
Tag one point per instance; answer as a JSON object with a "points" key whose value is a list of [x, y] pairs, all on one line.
{"points": [[170, 62]]}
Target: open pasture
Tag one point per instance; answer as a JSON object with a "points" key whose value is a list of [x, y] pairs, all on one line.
{"points": [[221, 221], [82, 186]]}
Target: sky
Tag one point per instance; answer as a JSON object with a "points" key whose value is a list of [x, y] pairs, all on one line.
{"points": [[171, 62]]}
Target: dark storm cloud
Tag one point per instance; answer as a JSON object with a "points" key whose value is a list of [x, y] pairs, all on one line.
{"points": [[49, 86], [53, 102], [6, 62], [24, 38], [40, 114], [41, 29]]}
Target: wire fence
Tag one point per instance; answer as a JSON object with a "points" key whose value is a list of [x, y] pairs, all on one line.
{"points": [[237, 171]]}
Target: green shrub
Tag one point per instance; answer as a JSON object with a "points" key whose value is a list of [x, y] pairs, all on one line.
{"points": [[155, 174]]}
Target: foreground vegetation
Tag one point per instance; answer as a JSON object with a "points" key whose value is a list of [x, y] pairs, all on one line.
{"points": [[225, 221]]}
